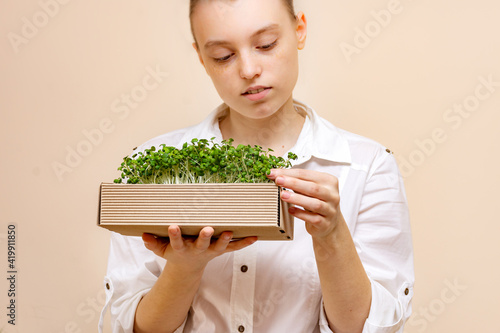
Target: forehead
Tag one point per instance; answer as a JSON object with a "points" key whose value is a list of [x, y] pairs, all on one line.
{"points": [[235, 19]]}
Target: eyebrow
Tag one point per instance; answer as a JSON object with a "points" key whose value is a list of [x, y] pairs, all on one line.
{"points": [[213, 43]]}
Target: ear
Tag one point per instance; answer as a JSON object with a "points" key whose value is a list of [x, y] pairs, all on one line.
{"points": [[301, 30], [195, 46]]}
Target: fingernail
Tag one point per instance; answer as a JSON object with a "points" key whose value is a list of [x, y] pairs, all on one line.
{"points": [[280, 180], [285, 194], [272, 174]]}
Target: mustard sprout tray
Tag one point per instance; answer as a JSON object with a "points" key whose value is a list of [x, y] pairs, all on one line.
{"points": [[246, 209]]}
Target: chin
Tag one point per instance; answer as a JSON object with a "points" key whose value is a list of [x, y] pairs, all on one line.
{"points": [[262, 111]]}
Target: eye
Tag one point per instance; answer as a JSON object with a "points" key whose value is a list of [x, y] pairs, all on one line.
{"points": [[224, 59], [268, 46]]}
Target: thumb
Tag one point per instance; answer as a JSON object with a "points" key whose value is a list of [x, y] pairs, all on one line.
{"points": [[154, 244]]}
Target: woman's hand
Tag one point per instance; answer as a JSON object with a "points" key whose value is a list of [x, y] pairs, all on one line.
{"points": [[193, 254], [317, 193]]}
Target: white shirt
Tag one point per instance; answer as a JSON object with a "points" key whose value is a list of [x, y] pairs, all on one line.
{"points": [[280, 290]]}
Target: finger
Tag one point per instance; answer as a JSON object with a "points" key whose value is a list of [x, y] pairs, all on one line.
{"points": [[311, 204], [223, 241], [240, 244], [203, 241], [154, 244], [307, 216], [316, 190], [309, 175], [176, 241], [315, 224]]}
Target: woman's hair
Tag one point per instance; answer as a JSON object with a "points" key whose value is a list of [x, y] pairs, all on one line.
{"points": [[192, 5]]}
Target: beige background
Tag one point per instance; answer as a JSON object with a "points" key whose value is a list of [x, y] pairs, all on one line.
{"points": [[65, 76]]}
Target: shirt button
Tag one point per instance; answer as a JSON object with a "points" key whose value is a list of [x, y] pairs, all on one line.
{"points": [[244, 268], [107, 286], [407, 291], [241, 328]]}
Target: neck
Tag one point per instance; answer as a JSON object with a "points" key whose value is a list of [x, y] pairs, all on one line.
{"points": [[279, 131]]}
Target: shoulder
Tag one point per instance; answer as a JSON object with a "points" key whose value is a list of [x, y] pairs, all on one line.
{"points": [[373, 159], [361, 146], [365, 153]]}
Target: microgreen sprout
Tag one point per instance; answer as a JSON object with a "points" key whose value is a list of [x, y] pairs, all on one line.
{"points": [[201, 161]]}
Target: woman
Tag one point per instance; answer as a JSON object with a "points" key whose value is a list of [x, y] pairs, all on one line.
{"points": [[350, 266]]}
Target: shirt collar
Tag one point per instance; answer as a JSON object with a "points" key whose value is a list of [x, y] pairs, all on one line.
{"points": [[318, 138]]}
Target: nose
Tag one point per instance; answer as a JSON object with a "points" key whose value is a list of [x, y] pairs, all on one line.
{"points": [[250, 67]]}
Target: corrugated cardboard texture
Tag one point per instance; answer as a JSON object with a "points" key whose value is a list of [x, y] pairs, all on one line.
{"points": [[244, 209]]}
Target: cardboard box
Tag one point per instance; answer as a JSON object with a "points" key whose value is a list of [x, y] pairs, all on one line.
{"points": [[245, 209]]}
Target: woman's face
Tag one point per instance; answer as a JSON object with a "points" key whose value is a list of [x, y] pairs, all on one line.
{"points": [[249, 50]]}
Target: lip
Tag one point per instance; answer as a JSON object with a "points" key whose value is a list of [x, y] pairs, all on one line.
{"points": [[256, 96]]}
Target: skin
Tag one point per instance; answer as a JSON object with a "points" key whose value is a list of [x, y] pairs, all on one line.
{"points": [[240, 32]]}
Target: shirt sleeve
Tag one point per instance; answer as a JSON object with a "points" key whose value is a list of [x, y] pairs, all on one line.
{"points": [[132, 272], [383, 240], [382, 237]]}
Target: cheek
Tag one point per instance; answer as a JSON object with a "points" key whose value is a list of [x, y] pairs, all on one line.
{"points": [[217, 70], [223, 80], [220, 75], [286, 61], [280, 53]]}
